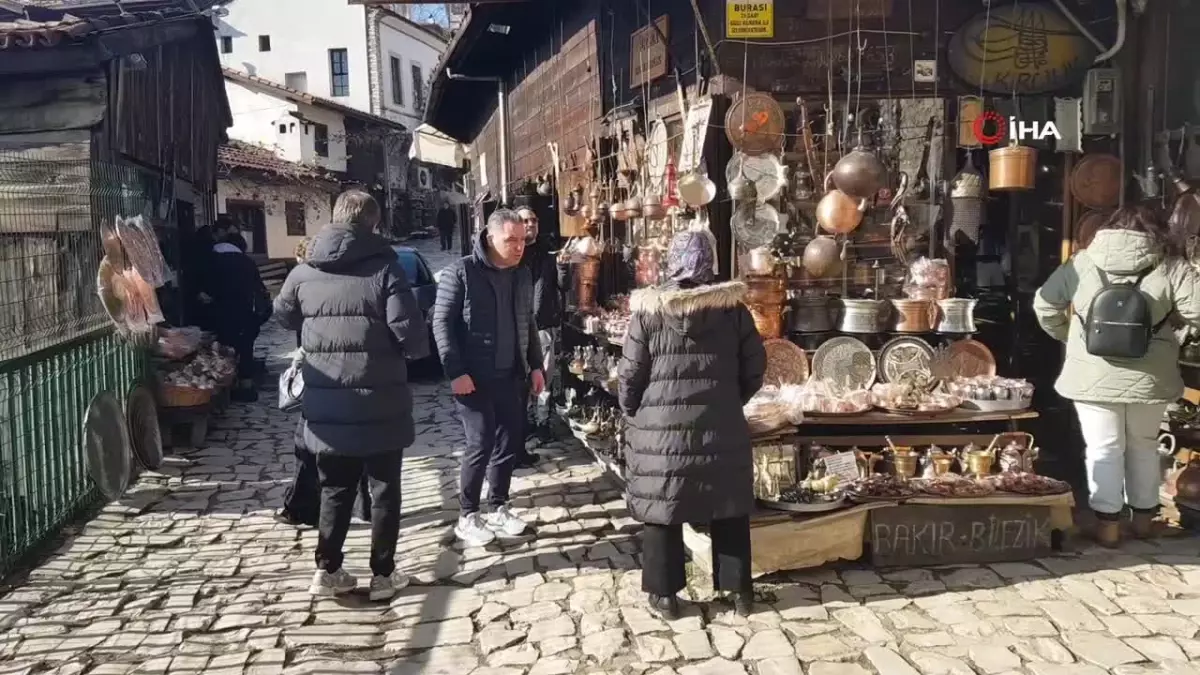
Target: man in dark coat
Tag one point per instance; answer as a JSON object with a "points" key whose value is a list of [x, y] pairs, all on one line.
{"points": [[547, 313], [487, 338], [692, 359], [359, 321], [445, 226], [241, 305]]}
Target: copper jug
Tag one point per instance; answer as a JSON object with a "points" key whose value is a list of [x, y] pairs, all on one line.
{"points": [[765, 299], [859, 174], [589, 274], [838, 213]]}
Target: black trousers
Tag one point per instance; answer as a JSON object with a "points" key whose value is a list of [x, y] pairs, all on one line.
{"points": [[302, 499], [447, 238], [339, 482], [663, 557], [493, 419]]}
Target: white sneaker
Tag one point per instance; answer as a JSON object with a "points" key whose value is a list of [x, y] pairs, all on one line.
{"points": [[472, 531], [385, 588], [505, 522], [328, 584]]}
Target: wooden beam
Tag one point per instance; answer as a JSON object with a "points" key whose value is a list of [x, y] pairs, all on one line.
{"points": [[93, 50]]}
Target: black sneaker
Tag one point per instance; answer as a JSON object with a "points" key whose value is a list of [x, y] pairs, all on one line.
{"points": [[666, 607], [743, 604], [528, 461]]}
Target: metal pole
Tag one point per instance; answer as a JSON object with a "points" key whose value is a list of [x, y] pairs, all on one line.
{"points": [[503, 107]]}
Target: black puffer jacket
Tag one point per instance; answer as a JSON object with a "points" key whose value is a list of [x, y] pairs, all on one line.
{"points": [[543, 268], [465, 321], [358, 320], [692, 359]]}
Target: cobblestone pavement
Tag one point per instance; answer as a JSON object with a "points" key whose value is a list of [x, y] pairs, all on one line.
{"points": [[189, 574]]}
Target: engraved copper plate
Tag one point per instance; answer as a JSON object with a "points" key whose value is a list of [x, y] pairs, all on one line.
{"points": [[786, 362], [904, 355], [755, 124], [967, 358], [1096, 181], [846, 361]]}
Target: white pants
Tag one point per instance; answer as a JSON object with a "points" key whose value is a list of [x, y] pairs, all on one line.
{"points": [[1123, 465]]}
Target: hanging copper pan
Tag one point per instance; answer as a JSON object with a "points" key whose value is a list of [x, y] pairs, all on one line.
{"points": [[839, 213], [1096, 181], [755, 124]]}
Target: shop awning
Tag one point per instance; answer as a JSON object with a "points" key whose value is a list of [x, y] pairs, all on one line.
{"points": [[433, 147]]}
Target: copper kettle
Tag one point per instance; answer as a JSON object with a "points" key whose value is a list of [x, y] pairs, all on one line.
{"points": [[820, 255], [838, 213], [859, 174]]}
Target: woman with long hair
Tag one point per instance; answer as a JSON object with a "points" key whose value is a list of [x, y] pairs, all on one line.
{"points": [[692, 359], [1120, 401]]}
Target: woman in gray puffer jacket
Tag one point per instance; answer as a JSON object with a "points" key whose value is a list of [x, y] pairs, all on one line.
{"points": [[692, 359]]}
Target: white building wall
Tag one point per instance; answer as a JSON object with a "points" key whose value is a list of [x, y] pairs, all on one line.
{"points": [[302, 32], [412, 46], [263, 118], [280, 246]]}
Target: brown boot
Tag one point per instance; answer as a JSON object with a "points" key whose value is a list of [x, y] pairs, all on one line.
{"points": [[1108, 533], [1146, 527]]}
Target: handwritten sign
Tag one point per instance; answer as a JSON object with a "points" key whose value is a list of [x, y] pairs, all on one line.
{"points": [[922, 535], [749, 20], [844, 465], [648, 53], [1025, 48]]}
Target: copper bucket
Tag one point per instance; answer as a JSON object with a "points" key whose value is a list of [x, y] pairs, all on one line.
{"points": [[765, 300], [1012, 168], [915, 316], [589, 275]]}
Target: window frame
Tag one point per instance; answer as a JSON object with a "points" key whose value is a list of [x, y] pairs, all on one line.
{"points": [[321, 139], [293, 211], [397, 78], [415, 70], [226, 45], [339, 82], [264, 43]]}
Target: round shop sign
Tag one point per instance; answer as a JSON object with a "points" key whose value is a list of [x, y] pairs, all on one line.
{"points": [[1020, 49]]}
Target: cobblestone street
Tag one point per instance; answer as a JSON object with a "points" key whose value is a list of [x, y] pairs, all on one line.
{"points": [[189, 573]]}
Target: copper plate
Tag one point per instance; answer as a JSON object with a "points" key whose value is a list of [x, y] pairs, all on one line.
{"points": [[970, 358], [755, 124], [1096, 181], [846, 361], [903, 355], [786, 362], [1087, 226]]}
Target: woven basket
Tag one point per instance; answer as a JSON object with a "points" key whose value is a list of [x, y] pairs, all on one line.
{"points": [[174, 396]]}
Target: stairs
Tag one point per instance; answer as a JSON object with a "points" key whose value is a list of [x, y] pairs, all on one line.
{"points": [[273, 273]]}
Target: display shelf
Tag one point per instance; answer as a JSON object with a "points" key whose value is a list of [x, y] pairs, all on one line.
{"points": [[880, 418]]}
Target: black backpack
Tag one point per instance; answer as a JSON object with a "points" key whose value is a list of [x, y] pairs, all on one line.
{"points": [[1119, 323]]}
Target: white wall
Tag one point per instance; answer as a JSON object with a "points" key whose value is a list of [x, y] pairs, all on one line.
{"points": [[412, 45], [259, 116], [302, 33], [273, 197]]}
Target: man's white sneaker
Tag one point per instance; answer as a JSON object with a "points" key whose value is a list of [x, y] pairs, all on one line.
{"points": [[472, 531], [504, 522], [385, 588], [328, 584]]}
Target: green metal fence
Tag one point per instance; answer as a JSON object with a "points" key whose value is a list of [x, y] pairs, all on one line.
{"points": [[56, 352]]}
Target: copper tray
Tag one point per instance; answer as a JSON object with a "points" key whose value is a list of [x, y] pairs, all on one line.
{"points": [[845, 358], [1096, 181], [969, 358], [755, 124], [786, 362], [909, 412]]}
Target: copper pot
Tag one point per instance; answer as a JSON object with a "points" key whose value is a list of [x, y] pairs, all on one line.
{"points": [[652, 208], [812, 314], [838, 213], [633, 208], [589, 274], [1012, 168], [820, 255], [859, 174], [915, 316], [617, 211], [1187, 482], [765, 298]]}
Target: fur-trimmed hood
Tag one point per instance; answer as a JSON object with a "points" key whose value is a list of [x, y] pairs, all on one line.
{"points": [[682, 309]]}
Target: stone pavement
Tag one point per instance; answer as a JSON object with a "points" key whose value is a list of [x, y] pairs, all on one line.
{"points": [[189, 574]]}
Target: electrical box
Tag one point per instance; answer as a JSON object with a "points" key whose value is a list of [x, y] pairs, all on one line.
{"points": [[1102, 102]]}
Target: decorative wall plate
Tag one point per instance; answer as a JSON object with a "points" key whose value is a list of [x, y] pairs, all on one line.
{"points": [[904, 355], [786, 362], [755, 124], [1096, 181], [846, 361], [768, 174], [754, 227], [106, 445], [965, 358]]}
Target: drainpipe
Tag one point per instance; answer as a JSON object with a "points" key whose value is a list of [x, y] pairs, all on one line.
{"points": [[502, 103]]}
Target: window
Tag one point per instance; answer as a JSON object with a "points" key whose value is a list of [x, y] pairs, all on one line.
{"points": [[295, 213], [321, 140], [226, 44], [283, 128], [297, 81], [397, 82], [264, 43], [418, 88], [339, 72]]}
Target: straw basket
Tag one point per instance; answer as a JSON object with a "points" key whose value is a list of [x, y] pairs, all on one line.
{"points": [[175, 396]]}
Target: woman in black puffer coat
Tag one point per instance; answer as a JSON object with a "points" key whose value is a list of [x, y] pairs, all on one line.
{"points": [[692, 359]]}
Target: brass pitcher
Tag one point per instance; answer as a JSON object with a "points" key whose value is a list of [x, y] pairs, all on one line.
{"points": [[906, 461], [979, 462]]}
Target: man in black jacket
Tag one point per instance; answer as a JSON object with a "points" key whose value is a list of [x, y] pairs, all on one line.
{"points": [[483, 322], [547, 312]]}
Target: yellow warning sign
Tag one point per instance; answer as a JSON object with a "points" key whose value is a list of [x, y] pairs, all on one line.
{"points": [[749, 19]]}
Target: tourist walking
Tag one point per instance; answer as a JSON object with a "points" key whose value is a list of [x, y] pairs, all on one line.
{"points": [[1121, 370], [240, 306], [539, 259], [445, 225], [692, 359], [483, 322], [359, 321]]}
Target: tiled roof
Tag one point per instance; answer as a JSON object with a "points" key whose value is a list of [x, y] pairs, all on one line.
{"points": [[242, 155], [25, 34], [305, 97]]}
